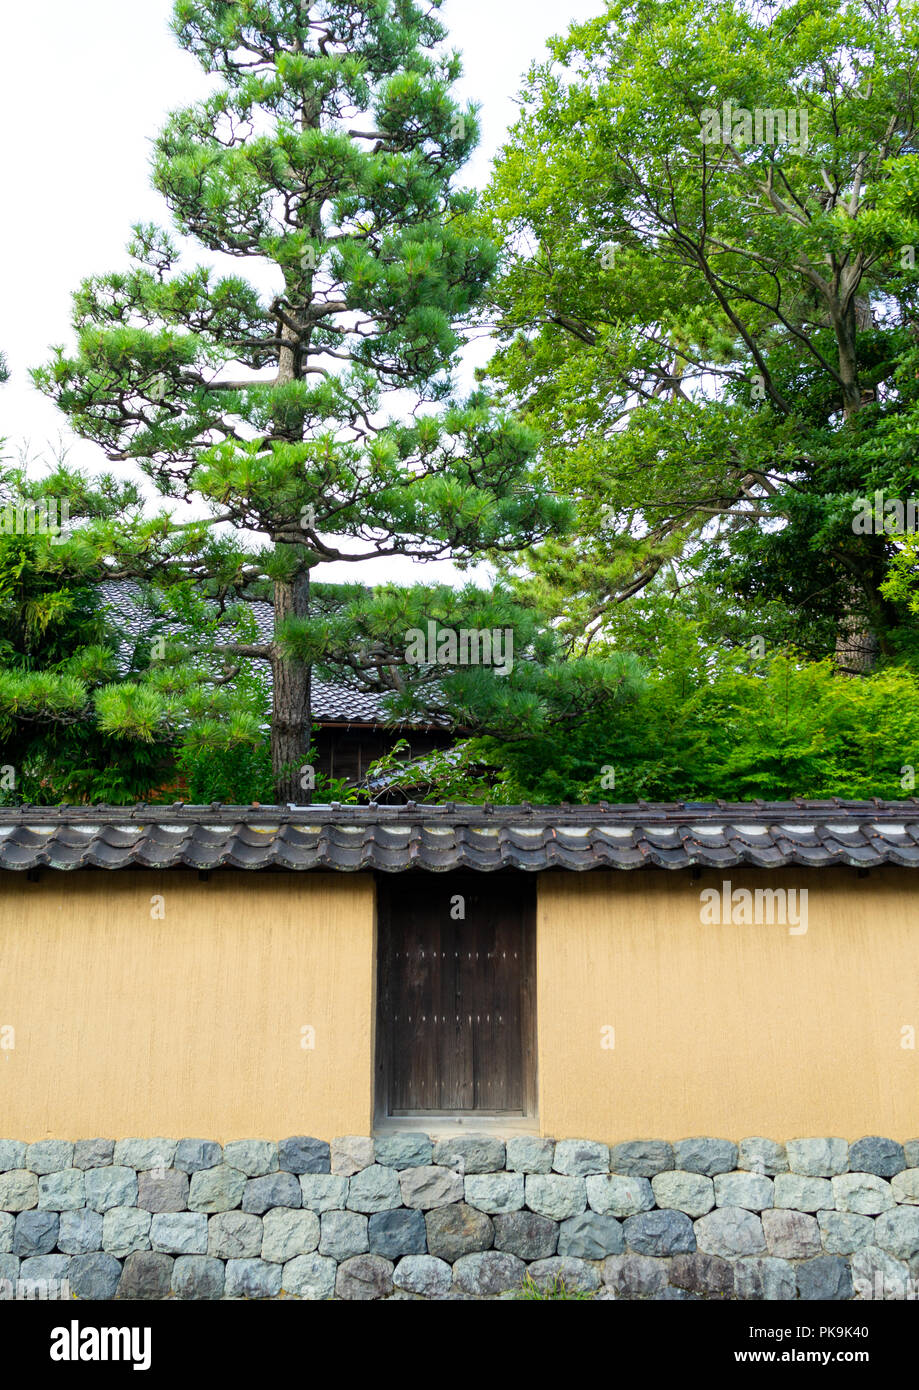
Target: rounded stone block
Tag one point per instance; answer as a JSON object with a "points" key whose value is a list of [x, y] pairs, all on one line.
{"points": [[309, 1277], [692, 1193], [424, 1275], [458, 1230], [363, 1278], [198, 1277], [488, 1272]]}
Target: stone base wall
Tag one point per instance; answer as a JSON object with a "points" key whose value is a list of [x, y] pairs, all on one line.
{"points": [[403, 1216]]}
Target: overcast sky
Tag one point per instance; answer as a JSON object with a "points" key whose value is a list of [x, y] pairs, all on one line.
{"points": [[85, 86]]}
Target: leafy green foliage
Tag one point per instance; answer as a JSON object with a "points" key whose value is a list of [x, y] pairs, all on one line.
{"points": [[328, 155], [717, 340], [704, 731]]}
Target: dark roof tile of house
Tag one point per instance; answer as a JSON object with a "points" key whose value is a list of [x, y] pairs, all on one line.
{"points": [[768, 835]]}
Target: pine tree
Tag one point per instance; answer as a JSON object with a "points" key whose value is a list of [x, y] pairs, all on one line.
{"points": [[321, 416]]}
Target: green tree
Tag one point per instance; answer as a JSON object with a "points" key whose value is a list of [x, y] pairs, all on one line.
{"points": [[319, 416], [734, 730], [92, 709], [708, 218]]}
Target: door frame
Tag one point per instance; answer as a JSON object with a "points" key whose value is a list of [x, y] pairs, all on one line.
{"points": [[451, 1121]]}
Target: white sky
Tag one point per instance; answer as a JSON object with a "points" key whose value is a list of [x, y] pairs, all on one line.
{"points": [[84, 87]]}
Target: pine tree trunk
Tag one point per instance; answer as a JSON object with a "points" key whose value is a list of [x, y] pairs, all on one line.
{"points": [[291, 722]]}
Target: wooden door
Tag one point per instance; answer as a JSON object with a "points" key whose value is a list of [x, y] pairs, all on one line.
{"points": [[456, 1020]]}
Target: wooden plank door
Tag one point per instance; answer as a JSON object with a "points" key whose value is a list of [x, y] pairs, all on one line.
{"points": [[456, 1025]]}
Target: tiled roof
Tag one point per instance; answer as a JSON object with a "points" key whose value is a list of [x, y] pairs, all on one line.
{"points": [[332, 702], [766, 835]]}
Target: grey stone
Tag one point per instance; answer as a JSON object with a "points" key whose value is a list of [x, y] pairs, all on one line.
{"points": [[49, 1156], [216, 1189], [553, 1195], [234, 1235], [9, 1274], [196, 1277], [163, 1190], [568, 1272], [343, 1234], [323, 1192], [51, 1269], [641, 1158], [304, 1155], [635, 1276], [488, 1272], [590, 1236], [882, 1157], [12, 1154], [18, 1190], [844, 1233], [309, 1276], [254, 1157], [94, 1276], [862, 1193], [897, 1232], [680, 1191], [671, 1295], [659, 1233], [80, 1232], [7, 1226], [749, 1190], [427, 1188], [124, 1230], [374, 1189], [495, 1192], [458, 1230], [396, 1233], [791, 1235], [730, 1232], [763, 1156], [700, 1273], [827, 1277], [350, 1153], [474, 1153], [578, 1157], [905, 1187], [364, 1277], [35, 1233], [817, 1158], [803, 1194], [146, 1274], [64, 1191], [289, 1233], [526, 1235], [911, 1153], [249, 1278], [764, 1277], [144, 1154], [403, 1150], [527, 1153], [707, 1156], [424, 1275], [179, 1233], [273, 1190], [878, 1276], [619, 1196], [194, 1155], [110, 1187], [93, 1153]]}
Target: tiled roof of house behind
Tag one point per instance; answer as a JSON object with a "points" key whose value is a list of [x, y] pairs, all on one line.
{"points": [[332, 701], [393, 839]]}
